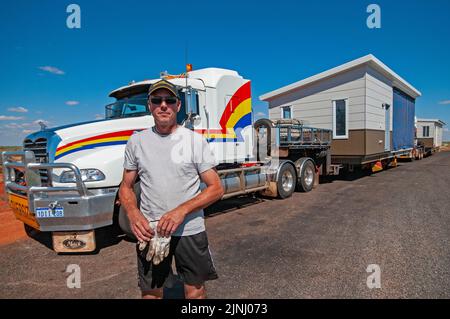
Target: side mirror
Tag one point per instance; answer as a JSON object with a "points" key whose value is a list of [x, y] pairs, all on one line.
{"points": [[196, 119]]}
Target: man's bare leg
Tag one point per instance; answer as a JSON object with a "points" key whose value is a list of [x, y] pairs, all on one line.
{"points": [[194, 292], [153, 294]]}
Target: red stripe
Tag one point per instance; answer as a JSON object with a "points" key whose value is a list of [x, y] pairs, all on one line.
{"points": [[212, 131], [114, 134], [242, 94]]}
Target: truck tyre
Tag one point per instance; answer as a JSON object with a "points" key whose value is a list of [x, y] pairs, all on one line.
{"points": [[306, 174], [124, 223], [30, 231], [287, 180]]}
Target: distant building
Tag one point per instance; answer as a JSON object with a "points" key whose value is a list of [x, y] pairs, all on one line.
{"points": [[429, 132]]}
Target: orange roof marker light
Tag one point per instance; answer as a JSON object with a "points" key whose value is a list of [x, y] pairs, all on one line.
{"points": [[167, 76]]}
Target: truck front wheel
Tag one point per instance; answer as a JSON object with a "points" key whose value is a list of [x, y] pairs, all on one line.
{"points": [[286, 182]]}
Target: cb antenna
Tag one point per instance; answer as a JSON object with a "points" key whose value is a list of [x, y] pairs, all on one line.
{"points": [[187, 95], [186, 64]]}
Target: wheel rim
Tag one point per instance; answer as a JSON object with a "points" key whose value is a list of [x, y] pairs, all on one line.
{"points": [[287, 181], [309, 176]]}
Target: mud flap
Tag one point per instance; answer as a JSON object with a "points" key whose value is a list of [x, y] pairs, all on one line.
{"points": [[74, 242]]}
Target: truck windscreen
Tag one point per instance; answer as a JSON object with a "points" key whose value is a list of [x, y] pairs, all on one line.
{"points": [[128, 107]]}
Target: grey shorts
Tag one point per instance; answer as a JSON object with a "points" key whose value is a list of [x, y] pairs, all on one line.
{"points": [[193, 263]]}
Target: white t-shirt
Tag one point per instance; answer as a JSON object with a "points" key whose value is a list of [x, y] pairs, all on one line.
{"points": [[169, 168]]}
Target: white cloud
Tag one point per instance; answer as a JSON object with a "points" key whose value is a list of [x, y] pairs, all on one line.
{"points": [[25, 126], [52, 69], [10, 118], [18, 109], [13, 126], [72, 103], [445, 102], [28, 131], [260, 115]]}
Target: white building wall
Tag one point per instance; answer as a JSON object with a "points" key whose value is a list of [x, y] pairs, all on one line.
{"points": [[421, 124], [275, 113], [378, 92], [438, 136], [314, 104]]}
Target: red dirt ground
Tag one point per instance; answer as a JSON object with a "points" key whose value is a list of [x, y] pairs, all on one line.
{"points": [[11, 229]]}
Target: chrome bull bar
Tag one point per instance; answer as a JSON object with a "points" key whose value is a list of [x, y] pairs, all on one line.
{"points": [[84, 210], [32, 179]]}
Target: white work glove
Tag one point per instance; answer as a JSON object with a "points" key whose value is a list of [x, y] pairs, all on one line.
{"points": [[159, 246]]}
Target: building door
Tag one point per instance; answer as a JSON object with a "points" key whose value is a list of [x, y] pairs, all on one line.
{"points": [[387, 135]]}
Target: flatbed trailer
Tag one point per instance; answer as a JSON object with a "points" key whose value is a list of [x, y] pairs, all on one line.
{"points": [[373, 162], [290, 157], [416, 153]]}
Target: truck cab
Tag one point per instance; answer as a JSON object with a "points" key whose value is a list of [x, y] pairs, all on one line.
{"points": [[66, 179]]}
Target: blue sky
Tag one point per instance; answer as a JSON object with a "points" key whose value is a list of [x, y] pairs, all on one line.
{"points": [[63, 75]]}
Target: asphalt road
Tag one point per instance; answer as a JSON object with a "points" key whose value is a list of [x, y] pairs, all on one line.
{"points": [[313, 245]]}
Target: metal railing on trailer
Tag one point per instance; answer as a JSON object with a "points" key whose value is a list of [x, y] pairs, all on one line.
{"points": [[293, 134]]}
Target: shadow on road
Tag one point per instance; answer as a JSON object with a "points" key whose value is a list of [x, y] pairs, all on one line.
{"points": [[104, 237], [232, 204], [352, 176]]}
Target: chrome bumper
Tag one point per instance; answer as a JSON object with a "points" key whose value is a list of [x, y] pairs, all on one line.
{"points": [[83, 209]]}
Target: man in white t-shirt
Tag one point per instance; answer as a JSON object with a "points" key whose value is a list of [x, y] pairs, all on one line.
{"points": [[170, 162]]}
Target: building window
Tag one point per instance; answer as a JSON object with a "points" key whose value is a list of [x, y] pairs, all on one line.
{"points": [[286, 112], [426, 131], [340, 119]]}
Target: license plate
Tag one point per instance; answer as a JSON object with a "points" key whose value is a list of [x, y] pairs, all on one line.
{"points": [[19, 206], [46, 212]]}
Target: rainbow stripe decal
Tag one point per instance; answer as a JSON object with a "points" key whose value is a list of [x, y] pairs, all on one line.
{"points": [[236, 116], [115, 138]]}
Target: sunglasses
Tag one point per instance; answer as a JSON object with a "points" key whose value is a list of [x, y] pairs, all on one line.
{"points": [[159, 99]]}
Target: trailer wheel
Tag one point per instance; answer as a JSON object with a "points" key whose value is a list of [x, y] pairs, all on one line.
{"points": [[306, 174], [287, 180]]}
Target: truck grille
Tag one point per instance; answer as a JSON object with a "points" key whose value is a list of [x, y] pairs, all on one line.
{"points": [[39, 148]]}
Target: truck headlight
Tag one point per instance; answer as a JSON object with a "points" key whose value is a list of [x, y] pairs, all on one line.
{"points": [[87, 175]]}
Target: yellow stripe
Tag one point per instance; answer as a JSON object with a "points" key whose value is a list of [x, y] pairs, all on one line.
{"points": [[212, 135], [102, 140], [230, 134], [243, 108]]}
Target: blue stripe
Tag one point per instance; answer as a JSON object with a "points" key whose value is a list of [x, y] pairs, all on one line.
{"points": [[91, 146], [244, 121], [223, 140]]}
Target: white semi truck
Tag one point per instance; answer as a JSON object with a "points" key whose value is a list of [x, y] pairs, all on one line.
{"points": [[66, 179]]}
